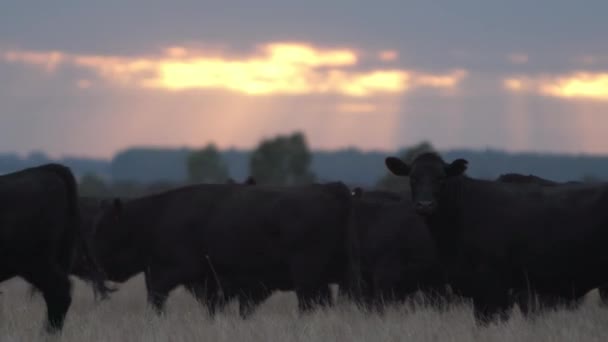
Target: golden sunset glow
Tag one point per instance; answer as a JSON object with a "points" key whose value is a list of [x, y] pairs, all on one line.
{"points": [[513, 84], [583, 85], [450, 80], [356, 107], [47, 60], [274, 68], [388, 55]]}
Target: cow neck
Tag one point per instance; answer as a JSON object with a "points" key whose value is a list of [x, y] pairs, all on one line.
{"points": [[445, 223]]}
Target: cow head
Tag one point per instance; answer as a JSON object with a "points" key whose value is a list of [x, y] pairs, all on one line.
{"points": [[428, 174]]}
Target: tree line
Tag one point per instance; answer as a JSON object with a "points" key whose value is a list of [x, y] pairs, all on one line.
{"points": [[282, 160]]}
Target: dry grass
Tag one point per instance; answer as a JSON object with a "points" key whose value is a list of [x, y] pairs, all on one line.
{"points": [[125, 318]]}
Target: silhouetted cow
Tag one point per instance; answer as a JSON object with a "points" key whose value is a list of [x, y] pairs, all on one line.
{"points": [[248, 181], [516, 178], [83, 266], [396, 254], [378, 195], [39, 231], [243, 240], [495, 236]]}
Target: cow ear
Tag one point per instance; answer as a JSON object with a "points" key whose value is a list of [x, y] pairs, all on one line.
{"points": [[250, 181], [397, 166], [357, 192], [456, 168]]}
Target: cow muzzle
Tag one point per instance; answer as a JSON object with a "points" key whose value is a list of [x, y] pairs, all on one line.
{"points": [[425, 207]]}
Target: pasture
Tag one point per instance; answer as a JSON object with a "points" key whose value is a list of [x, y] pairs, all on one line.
{"points": [[126, 317]]}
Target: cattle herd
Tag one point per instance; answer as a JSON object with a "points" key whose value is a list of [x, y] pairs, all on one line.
{"points": [[516, 240]]}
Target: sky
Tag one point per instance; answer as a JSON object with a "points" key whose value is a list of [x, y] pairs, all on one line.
{"points": [[92, 78]]}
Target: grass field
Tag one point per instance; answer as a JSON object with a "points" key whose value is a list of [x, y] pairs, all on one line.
{"points": [[125, 318]]}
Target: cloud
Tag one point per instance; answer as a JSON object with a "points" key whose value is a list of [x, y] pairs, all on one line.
{"points": [[83, 84], [283, 68], [518, 58], [576, 85], [47, 60], [355, 107], [388, 55]]}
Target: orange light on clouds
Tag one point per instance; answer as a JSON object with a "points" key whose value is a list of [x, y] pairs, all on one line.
{"points": [[578, 85], [47, 60], [353, 107], [513, 84], [585, 85], [83, 84], [450, 80], [281, 68], [363, 84], [388, 55], [518, 58]]}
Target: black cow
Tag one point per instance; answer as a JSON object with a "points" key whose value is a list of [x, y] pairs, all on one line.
{"points": [[243, 240], [396, 254], [90, 208], [39, 232], [248, 181], [83, 266], [495, 236], [517, 178], [377, 195]]}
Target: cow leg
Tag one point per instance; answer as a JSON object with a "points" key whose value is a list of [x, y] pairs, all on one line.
{"points": [[307, 273], [490, 298], [385, 281], [525, 301], [325, 297], [603, 291], [32, 291], [207, 293], [159, 283], [55, 286], [250, 299]]}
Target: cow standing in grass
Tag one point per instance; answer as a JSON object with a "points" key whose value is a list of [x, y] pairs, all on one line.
{"points": [[39, 232], [396, 254], [493, 237], [83, 266], [226, 240], [516, 178]]}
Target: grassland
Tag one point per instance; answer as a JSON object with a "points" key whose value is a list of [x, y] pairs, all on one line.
{"points": [[126, 318]]}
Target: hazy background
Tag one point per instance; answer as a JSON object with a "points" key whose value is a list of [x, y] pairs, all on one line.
{"points": [[94, 79]]}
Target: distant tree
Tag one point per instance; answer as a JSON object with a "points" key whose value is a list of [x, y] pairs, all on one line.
{"points": [[207, 166], [283, 160], [92, 185], [391, 182]]}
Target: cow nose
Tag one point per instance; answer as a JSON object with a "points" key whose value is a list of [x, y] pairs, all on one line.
{"points": [[425, 206]]}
